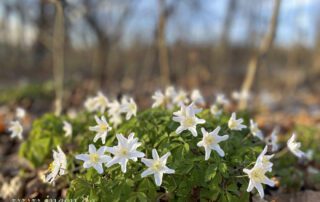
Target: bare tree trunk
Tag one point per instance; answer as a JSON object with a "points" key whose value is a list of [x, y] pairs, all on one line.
{"points": [[161, 41], [223, 48], [58, 55], [43, 40], [100, 65], [261, 53]]}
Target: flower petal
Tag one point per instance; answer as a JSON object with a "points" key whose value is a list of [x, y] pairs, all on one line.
{"points": [[218, 149], [193, 130], [146, 172], [260, 189], [98, 167], [92, 149], [155, 155], [158, 178], [82, 157], [147, 162]]}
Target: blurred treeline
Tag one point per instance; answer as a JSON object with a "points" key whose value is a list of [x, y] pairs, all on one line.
{"points": [[143, 44]]}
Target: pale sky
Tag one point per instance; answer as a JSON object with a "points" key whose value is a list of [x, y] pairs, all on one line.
{"points": [[297, 22]]}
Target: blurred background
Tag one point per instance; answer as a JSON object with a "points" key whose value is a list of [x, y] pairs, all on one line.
{"points": [[71, 48]]}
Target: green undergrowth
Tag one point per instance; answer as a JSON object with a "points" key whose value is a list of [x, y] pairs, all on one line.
{"points": [[29, 91], [218, 179]]}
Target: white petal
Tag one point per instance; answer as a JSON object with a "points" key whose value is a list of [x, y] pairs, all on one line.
{"points": [[155, 155], [222, 138], [260, 189], [111, 150], [94, 128], [123, 163], [219, 150], [177, 119], [136, 154], [165, 157], [200, 121], [168, 170], [147, 162], [158, 178], [101, 150], [98, 167], [97, 119], [146, 172], [113, 161], [193, 130], [200, 144], [121, 139], [207, 153], [247, 171], [268, 182], [180, 129], [87, 164], [83, 157], [96, 138], [216, 131], [203, 131], [105, 158], [92, 149], [250, 186]]}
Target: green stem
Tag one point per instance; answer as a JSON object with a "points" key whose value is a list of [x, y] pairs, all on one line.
{"points": [[281, 153]]}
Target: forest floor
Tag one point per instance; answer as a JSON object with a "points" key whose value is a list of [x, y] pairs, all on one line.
{"points": [[268, 110]]}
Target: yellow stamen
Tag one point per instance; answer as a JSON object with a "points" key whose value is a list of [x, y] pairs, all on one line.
{"points": [[157, 166], [209, 140], [94, 158], [123, 152], [51, 167], [257, 174], [189, 122], [103, 127]]}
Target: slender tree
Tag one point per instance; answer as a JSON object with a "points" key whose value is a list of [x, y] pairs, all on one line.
{"points": [[261, 53], [58, 54]]}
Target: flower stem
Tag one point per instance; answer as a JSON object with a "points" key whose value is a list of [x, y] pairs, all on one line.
{"points": [[281, 153]]}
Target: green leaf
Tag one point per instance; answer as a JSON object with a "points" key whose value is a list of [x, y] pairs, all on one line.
{"points": [[210, 172]]}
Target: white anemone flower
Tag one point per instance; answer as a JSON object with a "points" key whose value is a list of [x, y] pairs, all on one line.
{"points": [[102, 128], [257, 178], [221, 99], [58, 166], [187, 119], [181, 97], [170, 92], [101, 102], [164, 99], [234, 123], [264, 160], [16, 129], [157, 166], [159, 99], [183, 110], [242, 95], [90, 104], [115, 113], [95, 158], [116, 120], [67, 128], [255, 130], [129, 107], [273, 139], [294, 147], [124, 151], [309, 154], [215, 111], [20, 113], [197, 97], [210, 141]]}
